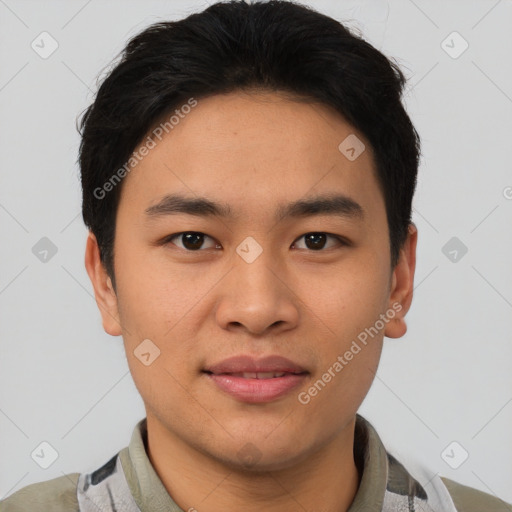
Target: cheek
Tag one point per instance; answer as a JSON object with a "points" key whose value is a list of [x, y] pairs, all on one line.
{"points": [[151, 297], [352, 298], [161, 365]]}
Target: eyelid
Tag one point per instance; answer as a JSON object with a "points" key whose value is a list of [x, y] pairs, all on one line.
{"points": [[341, 240], [167, 239]]}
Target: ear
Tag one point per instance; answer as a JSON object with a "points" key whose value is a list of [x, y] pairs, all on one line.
{"points": [[402, 284], [106, 298]]}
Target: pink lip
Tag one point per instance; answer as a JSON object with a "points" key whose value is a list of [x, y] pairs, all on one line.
{"points": [[256, 390], [239, 364]]}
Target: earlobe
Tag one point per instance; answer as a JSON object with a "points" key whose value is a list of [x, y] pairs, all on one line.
{"points": [[104, 293], [396, 328], [402, 285]]}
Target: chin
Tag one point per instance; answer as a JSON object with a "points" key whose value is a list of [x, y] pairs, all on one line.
{"points": [[260, 454], [261, 464]]}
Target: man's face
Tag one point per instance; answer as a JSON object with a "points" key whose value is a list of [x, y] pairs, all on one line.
{"points": [[252, 283]]}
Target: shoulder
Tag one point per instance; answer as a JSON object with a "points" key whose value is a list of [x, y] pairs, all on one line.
{"points": [[57, 495], [467, 499]]}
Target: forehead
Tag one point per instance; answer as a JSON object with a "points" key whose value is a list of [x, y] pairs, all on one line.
{"points": [[258, 147]]}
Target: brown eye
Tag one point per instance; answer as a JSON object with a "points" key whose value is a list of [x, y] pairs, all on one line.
{"points": [[316, 241], [190, 240]]}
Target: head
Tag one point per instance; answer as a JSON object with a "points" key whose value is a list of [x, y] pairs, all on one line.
{"points": [[247, 175]]}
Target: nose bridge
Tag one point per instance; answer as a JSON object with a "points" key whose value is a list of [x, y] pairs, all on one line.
{"points": [[256, 267], [254, 295]]}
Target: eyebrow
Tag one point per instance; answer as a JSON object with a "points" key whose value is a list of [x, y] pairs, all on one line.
{"points": [[333, 204]]}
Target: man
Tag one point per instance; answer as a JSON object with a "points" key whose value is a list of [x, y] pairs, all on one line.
{"points": [[247, 180]]}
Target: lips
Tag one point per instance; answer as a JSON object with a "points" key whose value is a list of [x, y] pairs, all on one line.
{"points": [[257, 375], [256, 380], [251, 365]]}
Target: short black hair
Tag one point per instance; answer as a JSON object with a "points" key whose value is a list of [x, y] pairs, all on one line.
{"points": [[275, 45]]}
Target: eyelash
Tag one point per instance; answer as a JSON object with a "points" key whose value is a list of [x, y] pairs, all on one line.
{"points": [[341, 240]]}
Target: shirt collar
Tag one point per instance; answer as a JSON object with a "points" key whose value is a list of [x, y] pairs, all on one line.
{"points": [[145, 484], [369, 453]]}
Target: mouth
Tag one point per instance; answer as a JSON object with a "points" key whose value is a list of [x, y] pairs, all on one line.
{"points": [[256, 381], [257, 375]]}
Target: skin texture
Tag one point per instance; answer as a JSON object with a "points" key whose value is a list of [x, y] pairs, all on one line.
{"points": [[253, 152]]}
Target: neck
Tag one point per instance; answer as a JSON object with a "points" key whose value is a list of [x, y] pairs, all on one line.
{"points": [[198, 482]]}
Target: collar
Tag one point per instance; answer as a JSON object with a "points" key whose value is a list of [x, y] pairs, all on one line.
{"points": [[369, 453], [385, 485]]}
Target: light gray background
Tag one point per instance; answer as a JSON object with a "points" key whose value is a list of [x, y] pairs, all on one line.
{"points": [[64, 381]]}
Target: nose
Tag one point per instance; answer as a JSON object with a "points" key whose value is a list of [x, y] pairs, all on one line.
{"points": [[257, 298]]}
